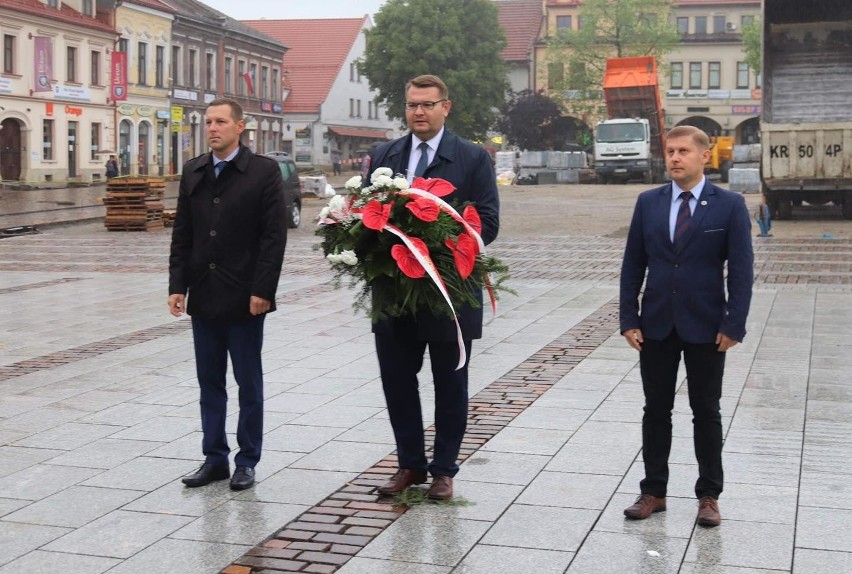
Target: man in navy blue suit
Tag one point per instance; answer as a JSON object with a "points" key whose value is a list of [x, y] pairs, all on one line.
{"points": [[682, 234], [432, 151]]}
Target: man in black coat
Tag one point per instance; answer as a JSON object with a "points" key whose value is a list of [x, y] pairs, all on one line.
{"points": [[226, 254], [431, 151]]}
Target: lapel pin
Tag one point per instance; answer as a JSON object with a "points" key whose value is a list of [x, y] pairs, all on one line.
{"points": [[704, 202]]}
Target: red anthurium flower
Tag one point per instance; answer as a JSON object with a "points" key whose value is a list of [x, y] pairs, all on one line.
{"points": [[472, 217], [406, 261], [464, 254], [376, 215], [424, 209], [435, 186]]}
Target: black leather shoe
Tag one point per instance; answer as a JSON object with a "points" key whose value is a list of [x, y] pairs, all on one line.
{"points": [[206, 474], [243, 478]]}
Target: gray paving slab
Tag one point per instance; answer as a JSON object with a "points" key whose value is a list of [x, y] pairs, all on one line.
{"points": [[542, 527], [614, 553], [489, 559], [240, 522], [744, 544], [810, 561], [73, 507], [40, 561]]}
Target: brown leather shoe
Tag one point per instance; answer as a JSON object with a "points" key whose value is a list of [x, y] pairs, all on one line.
{"points": [[645, 506], [441, 488], [403, 478], [708, 511]]}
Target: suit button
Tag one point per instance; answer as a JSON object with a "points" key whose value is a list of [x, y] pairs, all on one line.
{"points": [[677, 265], [212, 266], [215, 200], [674, 291], [212, 233]]}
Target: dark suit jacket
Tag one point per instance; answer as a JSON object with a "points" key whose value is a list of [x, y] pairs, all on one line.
{"points": [[686, 291], [229, 235], [468, 167]]}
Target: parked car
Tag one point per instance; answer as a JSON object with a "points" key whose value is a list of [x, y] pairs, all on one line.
{"points": [[292, 188], [277, 154]]}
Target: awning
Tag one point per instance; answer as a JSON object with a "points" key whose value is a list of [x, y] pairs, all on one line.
{"points": [[368, 133]]}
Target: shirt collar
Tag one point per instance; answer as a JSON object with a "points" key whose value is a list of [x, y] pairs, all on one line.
{"points": [[432, 143], [230, 157], [696, 191]]}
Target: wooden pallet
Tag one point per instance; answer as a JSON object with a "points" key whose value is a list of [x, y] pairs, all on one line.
{"points": [[134, 204]]}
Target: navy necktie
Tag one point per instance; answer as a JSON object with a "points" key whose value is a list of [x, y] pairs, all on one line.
{"points": [[423, 162], [684, 217], [220, 166]]}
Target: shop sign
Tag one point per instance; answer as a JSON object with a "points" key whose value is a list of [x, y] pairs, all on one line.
{"points": [[72, 111], [265, 107], [276, 108], [72, 93], [185, 95], [144, 111], [163, 114], [125, 109], [5, 86], [745, 110]]}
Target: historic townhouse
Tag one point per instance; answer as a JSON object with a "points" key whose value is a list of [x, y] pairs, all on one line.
{"points": [[216, 56], [57, 120], [705, 81]]}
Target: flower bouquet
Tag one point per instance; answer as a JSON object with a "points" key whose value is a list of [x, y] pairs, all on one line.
{"points": [[407, 249]]}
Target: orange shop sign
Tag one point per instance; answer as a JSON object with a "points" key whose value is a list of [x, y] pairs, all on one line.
{"points": [[72, 111]]}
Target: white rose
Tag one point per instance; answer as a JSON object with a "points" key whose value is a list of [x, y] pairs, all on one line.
{"points": [[354, 182], [337, 203], [381, 171], [348, 257], [383, 181], [333, 258], [324, 212], [400, 182]]}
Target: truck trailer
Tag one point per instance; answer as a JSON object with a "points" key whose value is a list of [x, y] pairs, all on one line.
{"points": [[629, 144], [806, 120]]}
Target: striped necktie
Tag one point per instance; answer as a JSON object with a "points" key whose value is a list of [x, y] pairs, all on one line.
{"points": [[684, 218]]}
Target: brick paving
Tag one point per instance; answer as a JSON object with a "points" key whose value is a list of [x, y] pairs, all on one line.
{"points": [[791, 368]]}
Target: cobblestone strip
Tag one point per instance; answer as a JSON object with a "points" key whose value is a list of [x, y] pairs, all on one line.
{"points": [[326, 536], [38, 285], [90, 350]]}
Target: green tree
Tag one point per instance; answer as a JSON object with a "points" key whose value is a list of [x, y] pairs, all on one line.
{"points": [[531, 120], [751, 44], [458, 40], [576, 58]]}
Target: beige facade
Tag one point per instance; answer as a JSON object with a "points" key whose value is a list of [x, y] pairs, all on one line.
{"points": [[704, 80], [144, 118], [56, 129]]}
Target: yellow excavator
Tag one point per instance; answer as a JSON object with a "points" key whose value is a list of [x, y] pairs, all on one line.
{"points": [[721, 157]]}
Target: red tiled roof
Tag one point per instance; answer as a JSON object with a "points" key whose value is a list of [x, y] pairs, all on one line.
{"points": [[65, 14], [359, 132], [554, 3], [317, 50], [521, 21]]}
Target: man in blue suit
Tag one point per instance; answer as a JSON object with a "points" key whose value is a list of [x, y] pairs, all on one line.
{"points": [[682, 234], [431, 151]]}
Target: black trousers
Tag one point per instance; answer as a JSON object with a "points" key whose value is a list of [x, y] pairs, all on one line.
{"points": [[705, 366], [400, 359], [214, 342]]}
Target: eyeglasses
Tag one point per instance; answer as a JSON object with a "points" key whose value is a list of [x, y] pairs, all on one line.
{"points": [[412, 106]]}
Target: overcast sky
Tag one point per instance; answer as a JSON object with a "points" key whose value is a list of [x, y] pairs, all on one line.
{"points": [[295, 9]]}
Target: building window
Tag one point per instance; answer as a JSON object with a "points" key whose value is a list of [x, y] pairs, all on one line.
{"points": [[47, 140], [352, 71], [53, 3], [191, 81], [264, 82], [276, 95], [555, 76], [577, 76], [677, 75], [253, 76], [358, 107], [177, 80], [683, 25], [71, 63], [369, 110], [742, 75], [563, 23], [695, 75], [87, 9], [747, 20], [211, 68], [124, 45], [719, 24], [228, 86], [581, 20], [714, 75], [142, 60], [96, 141], [96, 69], [160, 78], [241, 81], [701, 24], [8, 54], [351, 107]]}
